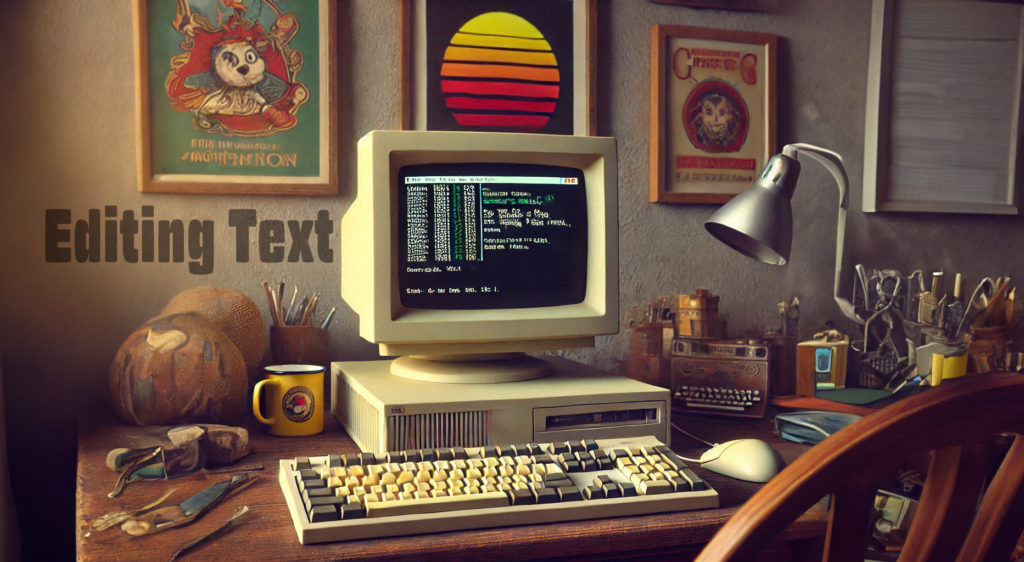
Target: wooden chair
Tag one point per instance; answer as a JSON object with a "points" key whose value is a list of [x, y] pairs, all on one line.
{"points": [[952, 421]]}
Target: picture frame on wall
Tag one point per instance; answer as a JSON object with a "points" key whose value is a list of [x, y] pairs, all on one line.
{"points": [[235, 97], [712, 112], [498, 65], [958, 152]]}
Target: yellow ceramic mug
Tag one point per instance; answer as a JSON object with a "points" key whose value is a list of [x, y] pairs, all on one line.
{"points": [[295, 399]]}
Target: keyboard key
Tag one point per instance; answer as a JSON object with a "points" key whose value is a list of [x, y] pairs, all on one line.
{"points": [[445, 455], [302, 463], [367, 459], [322, 513], [413, 455], [679, 484], [459, 453], [317, 493], [438, 504], [535, 449], [311, 483], [593, 493], [334, 461], [545, 495], [333, 501], [429, 455], [308, 474], [695, 482], [559, 448], [350, 460], [521, 496], [490, 452], [571, 466], [654, 487], [627, 489], [590, 444], [569, 494], [611, 490], [355, 510]]}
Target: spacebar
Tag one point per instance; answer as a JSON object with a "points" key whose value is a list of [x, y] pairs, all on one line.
{"points": [[714, 406], [435, 505]]}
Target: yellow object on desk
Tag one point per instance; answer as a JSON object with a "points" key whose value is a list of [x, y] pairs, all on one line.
{"points": [[295, 400], [948, 366]]}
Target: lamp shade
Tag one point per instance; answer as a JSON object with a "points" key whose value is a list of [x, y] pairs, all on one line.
{"points": [[759, 222]]}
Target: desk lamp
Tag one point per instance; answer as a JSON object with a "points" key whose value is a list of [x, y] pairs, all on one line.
{"points": [[758, 223]]}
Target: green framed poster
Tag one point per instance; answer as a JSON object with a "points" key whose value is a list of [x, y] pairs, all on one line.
{"points": [[235, 96]]}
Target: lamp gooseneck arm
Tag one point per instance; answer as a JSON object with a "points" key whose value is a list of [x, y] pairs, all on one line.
{"points": [[834, 164]]}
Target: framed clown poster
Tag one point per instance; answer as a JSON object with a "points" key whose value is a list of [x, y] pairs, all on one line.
{"points": [[235, 96], [498, 65], [712, 112]]}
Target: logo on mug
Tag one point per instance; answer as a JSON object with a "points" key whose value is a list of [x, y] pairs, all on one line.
{"points": [[298, 404]]}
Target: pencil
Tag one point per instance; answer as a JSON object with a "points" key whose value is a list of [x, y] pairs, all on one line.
{"points": [[291, 306], [280, 302], [270, 302], [306, 316]]}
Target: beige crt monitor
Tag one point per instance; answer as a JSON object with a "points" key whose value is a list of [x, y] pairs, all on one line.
{"points": [[525, 229], [470, 338]]}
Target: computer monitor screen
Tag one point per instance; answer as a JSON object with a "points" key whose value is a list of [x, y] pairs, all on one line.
{"points": [[491, 236], [469, 244]]}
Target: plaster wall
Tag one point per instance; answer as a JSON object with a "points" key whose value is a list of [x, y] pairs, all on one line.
{"points": [[68, 142]]}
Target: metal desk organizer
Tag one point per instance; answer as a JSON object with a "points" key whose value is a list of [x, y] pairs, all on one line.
{"points": [[725, 378]]}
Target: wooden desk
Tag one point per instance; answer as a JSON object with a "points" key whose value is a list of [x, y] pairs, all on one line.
{"points": [[269, 535]]}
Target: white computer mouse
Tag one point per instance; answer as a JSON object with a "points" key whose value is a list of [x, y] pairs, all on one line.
{"points": [[744, 459]]}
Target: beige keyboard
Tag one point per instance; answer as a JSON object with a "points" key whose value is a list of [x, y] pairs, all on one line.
{"points": [[348, 497]]}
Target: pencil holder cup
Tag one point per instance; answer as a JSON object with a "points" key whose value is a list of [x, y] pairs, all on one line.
{"points": [[306, 345]]}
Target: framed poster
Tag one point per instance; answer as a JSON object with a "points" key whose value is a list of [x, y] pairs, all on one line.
{"points": [[235, 96], [712, 112], [498, 65]]}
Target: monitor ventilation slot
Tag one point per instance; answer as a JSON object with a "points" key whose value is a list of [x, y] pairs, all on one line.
{"points": [[429, 431]]}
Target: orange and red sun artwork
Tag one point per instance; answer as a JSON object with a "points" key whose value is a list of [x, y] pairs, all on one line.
{"points": [[499, 72], [496, 70]]}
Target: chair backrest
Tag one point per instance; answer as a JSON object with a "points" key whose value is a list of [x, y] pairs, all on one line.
{"points": [[952, 420]]}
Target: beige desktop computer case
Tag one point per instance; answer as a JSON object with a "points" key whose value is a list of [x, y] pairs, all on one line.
{"points": [[382, 412]]}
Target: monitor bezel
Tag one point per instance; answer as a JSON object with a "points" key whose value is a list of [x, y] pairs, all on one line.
{"points": [[384, 153]]}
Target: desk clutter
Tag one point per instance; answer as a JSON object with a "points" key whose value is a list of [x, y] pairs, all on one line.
{"points": [[910, 334], [357, 496]]}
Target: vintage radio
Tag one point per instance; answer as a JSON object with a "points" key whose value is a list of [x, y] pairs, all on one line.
{"points": [[728, 378]]}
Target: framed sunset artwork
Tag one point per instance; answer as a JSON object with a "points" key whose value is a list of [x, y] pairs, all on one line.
{"points": [[235, 96], [712, 112], [498, 65]]}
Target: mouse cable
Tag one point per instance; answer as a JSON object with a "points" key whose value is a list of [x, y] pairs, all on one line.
{"points": [[692, 436]]}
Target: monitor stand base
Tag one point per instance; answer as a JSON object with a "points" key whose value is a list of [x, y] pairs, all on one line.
{"points": [[477, 370]]}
